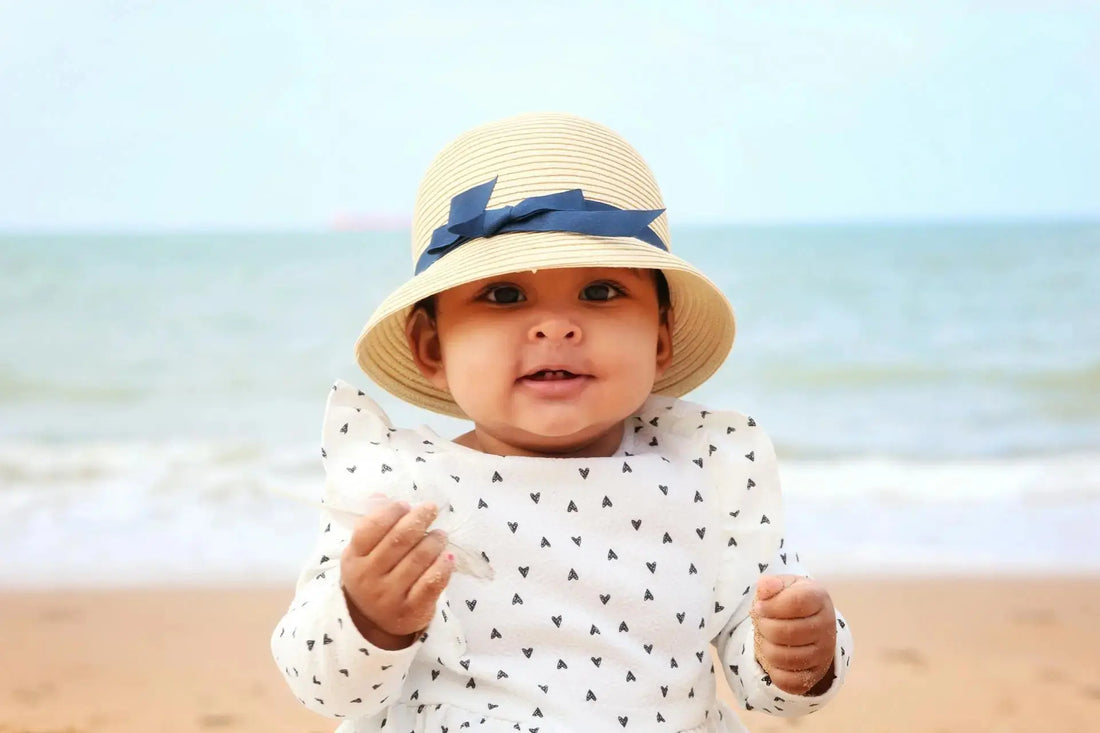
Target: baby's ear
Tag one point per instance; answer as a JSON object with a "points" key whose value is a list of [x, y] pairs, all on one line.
{"points": [[422, 336], [664, 343]]}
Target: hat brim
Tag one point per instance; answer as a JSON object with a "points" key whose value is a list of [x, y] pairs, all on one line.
{"points": [[703, 321]]}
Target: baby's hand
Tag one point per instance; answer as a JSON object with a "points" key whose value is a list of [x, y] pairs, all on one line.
{"points": [[393, 572], [795, 632]]}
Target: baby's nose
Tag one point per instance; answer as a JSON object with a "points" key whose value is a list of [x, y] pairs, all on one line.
{"points": [[555, 328]]}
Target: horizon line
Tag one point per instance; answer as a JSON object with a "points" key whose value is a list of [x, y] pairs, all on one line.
{"points": [[231, 229]]}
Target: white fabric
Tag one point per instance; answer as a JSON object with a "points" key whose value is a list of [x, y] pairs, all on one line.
{"points": [[612, 577]]}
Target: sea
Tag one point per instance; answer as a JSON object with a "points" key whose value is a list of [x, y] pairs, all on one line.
{"points": [[933, 392]]}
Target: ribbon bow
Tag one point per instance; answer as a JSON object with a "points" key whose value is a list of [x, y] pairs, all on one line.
{"points": [[566, 211]]}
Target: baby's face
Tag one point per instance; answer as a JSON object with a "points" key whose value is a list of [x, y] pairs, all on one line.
{"points": [[549, 362]]}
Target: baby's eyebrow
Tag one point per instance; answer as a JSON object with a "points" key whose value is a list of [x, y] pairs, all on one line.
{"points": [[643, 272]]}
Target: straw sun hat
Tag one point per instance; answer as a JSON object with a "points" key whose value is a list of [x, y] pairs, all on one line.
{"points": [[465, 228]]}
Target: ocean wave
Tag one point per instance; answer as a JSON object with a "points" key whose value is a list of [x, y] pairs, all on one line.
{"points": [[1041, 478], [147, 466], [203, 470], [226, 512]]}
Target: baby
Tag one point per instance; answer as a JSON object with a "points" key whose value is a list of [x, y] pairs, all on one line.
{"points": [[568, 563]]}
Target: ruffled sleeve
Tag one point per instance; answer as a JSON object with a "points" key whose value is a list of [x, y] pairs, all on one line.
{"points": [[326, 662]]}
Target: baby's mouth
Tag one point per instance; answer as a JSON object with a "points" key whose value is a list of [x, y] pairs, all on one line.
{"points": [[551, 375]]}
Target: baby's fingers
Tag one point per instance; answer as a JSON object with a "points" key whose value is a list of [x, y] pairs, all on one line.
{"points": [[793, 658], [797, 683], [797, 632], [419, 559], [801, 599], [370, 529], [402, 538], [425, 592]]}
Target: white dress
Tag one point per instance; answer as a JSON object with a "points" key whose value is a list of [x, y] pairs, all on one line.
{"points": [[612, 578]]}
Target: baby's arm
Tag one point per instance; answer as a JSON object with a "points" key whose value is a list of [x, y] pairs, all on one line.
{"points": [[795, 638], [337, 661], [742, 647]]}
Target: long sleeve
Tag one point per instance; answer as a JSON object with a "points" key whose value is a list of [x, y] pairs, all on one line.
{"points": [[327, 663], [748, 480], [748, 681]]}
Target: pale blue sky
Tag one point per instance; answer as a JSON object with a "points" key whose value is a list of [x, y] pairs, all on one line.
{"points": [[279, 114]]}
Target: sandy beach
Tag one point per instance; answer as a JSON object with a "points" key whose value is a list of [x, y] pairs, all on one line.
{"points": [[932, 654]]}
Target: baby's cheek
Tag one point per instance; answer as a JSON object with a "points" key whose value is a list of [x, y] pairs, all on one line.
{"points": [[633, 358], [471, 360]]}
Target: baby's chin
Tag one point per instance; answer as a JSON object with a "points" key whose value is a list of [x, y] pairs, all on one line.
{"points": [[566, 437]]}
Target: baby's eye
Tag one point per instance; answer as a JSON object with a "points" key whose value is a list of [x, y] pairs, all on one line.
{"points": [[504, 294], [600, 291]]}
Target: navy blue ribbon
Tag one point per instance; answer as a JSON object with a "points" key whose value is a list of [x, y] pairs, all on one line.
{"points": [[567, 211]]}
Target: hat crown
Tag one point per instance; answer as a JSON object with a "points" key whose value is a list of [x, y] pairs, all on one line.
{"points": [[534, 155]]}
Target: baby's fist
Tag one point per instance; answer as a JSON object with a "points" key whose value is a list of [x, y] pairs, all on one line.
{"points": [[795, 632]]}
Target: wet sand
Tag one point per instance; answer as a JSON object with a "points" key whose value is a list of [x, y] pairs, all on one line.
{"points": [[932, 654]]}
